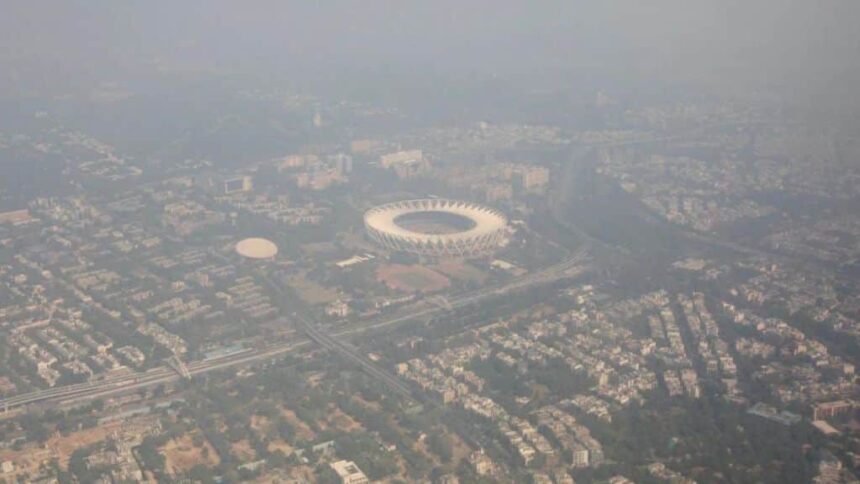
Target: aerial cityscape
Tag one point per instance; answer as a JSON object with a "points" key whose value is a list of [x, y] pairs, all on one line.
{"points": [[384, 242]]}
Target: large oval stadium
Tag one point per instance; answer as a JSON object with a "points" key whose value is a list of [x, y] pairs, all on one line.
{"points": [[437, 227]]}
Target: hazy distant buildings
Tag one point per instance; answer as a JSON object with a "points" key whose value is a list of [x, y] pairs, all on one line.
{"points": [[311, 171], [363, 146], [406, 164], [495, 192], [319, 179], [186, 217], [342, 164], [532, 179], [15, 217], [296, 161], [240, 184], [401, 158]]}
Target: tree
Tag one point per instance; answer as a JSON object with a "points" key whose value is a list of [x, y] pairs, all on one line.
{"points": [[326, 475], [201, 473], [441, 446], [150, 457]]}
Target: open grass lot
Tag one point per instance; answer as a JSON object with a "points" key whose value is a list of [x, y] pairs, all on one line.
{"points": [[311, 292]]}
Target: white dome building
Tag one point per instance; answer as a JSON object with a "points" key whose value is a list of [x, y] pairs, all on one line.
{"points": [[257, 248]]}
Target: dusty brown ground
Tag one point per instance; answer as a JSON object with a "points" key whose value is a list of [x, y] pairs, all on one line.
{"points": [[341, 421], [28, 460], [412, 278], [180, 454], [461, 271], [302, 430], [459, 448], [243, 451], [260, 424], [279, 444]]}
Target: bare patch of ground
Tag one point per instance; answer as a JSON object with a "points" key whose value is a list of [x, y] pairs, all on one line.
{"points": [[311, 292], [461, 271], [412, 278], [180, 454]]}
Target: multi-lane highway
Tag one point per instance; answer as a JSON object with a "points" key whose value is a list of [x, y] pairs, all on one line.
{"points": [[570, 267], [573, 266], [335, 344], [331, 343], [134, 381]]}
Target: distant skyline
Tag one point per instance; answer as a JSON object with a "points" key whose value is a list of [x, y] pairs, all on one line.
{"points": [[808, 48]]}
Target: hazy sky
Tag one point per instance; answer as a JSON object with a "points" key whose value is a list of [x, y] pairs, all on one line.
{"points": [[809, 45]]}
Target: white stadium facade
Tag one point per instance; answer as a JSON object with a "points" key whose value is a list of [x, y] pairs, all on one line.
{"points": [[437, 228]]}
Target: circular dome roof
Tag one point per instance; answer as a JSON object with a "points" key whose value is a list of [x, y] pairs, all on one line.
{"points": [[256, 248]]}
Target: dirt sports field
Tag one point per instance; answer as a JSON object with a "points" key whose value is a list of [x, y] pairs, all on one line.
{"points": [[461, 271], [412, 278], [180, 455]]}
